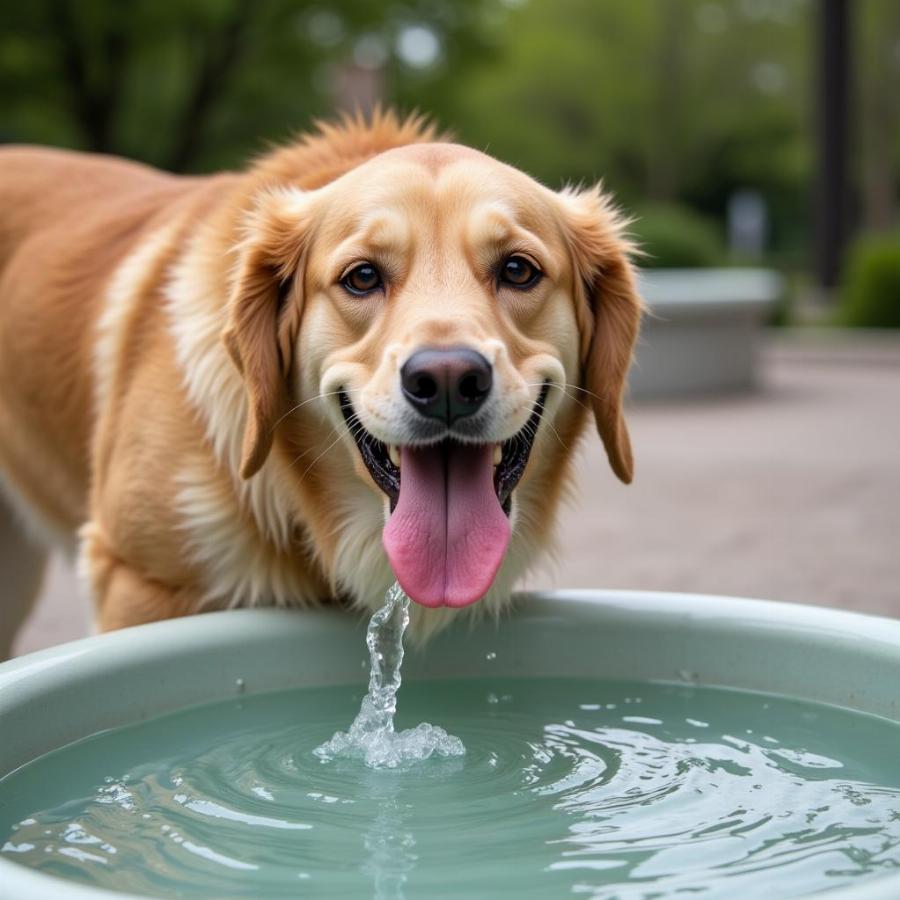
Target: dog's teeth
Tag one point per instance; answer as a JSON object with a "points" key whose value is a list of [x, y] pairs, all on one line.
{"points": [[394, 454], [498, 454]]}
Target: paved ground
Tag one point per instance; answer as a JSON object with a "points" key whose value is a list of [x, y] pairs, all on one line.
{"points": [[792, 493]]}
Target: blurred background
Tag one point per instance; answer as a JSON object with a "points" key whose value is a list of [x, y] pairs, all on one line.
{"points": [[755, 142]]}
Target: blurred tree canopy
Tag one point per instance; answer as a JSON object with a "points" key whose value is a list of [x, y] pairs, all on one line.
{"points": [[190, 85], [668, 100], [115, 77]]}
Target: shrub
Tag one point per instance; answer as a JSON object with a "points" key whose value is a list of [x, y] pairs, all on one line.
{"points": [[677, 237], [870, 293]]}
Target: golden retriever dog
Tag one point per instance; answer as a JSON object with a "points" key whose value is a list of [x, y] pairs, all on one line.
{"points": [[368, 356]]}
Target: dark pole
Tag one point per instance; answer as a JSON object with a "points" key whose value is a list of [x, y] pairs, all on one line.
{"points": [[833, 126]]}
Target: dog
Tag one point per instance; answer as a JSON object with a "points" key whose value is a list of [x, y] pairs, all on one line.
{"points": [[368, 356]]}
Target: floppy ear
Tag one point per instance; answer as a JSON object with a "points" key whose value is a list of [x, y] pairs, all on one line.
{"points": [[263, 314], [609, 313]]}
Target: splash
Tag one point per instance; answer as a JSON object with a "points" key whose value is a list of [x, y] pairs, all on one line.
{"points": [[372, 737]]}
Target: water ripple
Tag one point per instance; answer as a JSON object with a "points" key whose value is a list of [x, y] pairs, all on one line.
{"points": [[600, 789]]}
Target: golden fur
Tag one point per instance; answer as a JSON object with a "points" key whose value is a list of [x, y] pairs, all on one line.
{"points": [[169, 348]]}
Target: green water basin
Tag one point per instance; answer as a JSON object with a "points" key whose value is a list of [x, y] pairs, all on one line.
{"points": [[56, 697]]}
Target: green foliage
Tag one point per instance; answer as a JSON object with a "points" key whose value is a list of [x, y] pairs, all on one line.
{"points": [[669, 101], [676, 237], [195, 85], [676, 100], [870, 295]]}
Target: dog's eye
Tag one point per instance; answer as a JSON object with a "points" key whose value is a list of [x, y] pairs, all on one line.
{"points": [[362, 279], [519, 272]]}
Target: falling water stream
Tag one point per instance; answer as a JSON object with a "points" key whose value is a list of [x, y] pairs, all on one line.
{"points": [[372, 737]]}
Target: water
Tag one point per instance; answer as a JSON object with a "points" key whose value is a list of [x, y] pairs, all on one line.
{"points": [[568, 786], [372, 737]]}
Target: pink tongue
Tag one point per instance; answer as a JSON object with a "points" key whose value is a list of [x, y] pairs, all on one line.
{"points": [[447, 536]]}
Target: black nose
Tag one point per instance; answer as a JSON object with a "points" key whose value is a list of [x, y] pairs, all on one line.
{"points": [[446, 384]]}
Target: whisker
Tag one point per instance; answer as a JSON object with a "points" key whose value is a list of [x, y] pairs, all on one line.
{"points": [[354, 427], [309, 467], [540, 418], [297, 459], [603, 398], [312, 399], [565, 388]]}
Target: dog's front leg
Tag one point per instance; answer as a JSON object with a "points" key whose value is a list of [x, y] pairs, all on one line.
{"points": [[124, 596]]}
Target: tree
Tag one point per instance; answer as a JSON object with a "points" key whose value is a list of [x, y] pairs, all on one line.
{"points": [[188, 84], [878, 87]]}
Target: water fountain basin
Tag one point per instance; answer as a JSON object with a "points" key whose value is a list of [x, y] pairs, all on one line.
{"points": [[51, 698], [703, 331]]}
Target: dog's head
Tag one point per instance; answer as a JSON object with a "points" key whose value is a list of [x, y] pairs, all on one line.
{"points": [[443, 320]]}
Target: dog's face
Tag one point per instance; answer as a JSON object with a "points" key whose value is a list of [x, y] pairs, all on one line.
{"points": [[450, 318]]}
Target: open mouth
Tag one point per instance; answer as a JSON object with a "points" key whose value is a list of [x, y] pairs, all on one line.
{"points": [[510, 458], [448, 528]]}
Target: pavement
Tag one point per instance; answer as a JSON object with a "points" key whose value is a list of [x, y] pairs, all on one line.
{"points": [[789, 493]]}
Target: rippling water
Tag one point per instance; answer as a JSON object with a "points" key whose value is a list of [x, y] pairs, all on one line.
{"points": [[372, 736], [603, 789]]}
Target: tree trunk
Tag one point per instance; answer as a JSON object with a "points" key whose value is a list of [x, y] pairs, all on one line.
{"points": [[665, 155], [96, 89], [879, 89], [220, 56]]}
